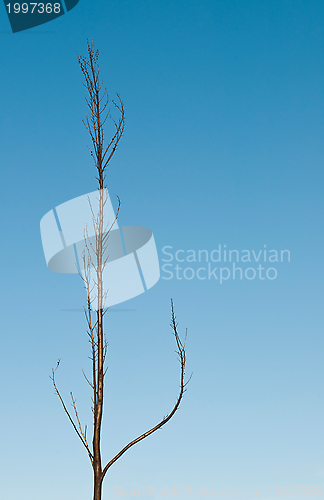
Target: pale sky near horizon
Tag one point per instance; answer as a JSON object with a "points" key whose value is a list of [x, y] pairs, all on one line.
{"points": [[223, 149]]}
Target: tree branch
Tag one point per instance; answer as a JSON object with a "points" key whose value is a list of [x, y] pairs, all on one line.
{"points": [[182, 358], [85, 444]]}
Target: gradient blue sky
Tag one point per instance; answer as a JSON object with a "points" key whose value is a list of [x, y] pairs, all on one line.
{"points": [[223, 145]]}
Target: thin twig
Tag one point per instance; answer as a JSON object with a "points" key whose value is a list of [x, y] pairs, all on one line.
{"points": [[85, 444]]}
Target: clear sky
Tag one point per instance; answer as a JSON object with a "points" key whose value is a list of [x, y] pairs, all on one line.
{"points": [[223, 145]]}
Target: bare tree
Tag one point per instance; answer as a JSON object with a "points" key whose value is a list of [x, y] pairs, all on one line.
{"points": [[94, 258]]}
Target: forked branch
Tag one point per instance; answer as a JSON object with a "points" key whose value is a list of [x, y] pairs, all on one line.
{"points": [[182, 359], [97, 102]]}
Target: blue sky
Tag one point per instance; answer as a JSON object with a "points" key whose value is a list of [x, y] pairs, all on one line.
{"points": [[223, 145]]}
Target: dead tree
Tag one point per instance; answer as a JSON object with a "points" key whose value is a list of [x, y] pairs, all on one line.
{"points": [[97, 101]]}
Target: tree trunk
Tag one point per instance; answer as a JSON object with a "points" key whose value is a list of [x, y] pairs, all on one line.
{"points": [[97, 488], [97, 469]]}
